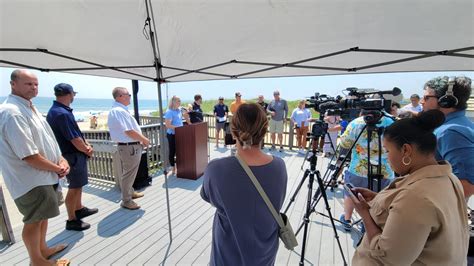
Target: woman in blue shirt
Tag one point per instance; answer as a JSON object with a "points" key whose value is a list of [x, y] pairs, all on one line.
{"points": [[173, 119]]}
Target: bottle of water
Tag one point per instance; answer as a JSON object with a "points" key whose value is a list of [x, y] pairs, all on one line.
{"points": [[63, 182]]}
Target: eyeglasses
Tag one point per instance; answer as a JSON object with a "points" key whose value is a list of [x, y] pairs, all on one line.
{"points": [[426, 97], [129, 95]]}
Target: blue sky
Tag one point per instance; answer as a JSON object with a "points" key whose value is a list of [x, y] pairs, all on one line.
{"points": [[291, 88]]}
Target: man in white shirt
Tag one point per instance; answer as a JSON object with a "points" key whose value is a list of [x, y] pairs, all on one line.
{"points": [[414, 107], [31, 162], [125, 130]]}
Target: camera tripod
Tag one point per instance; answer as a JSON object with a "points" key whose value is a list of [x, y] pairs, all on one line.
{"points": [[325, 132], [311, 173]]}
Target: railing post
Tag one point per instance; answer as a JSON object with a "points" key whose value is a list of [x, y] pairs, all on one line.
{"points": [[291, 134]]}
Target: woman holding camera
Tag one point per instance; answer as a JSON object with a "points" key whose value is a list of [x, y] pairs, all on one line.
{"points": [[244, 231], [420, 218]]}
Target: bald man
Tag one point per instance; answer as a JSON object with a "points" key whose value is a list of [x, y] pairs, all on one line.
{"points": [[32, 163]]}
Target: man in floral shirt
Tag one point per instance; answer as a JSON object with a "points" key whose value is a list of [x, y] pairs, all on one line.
{"points": [[357, 172]]}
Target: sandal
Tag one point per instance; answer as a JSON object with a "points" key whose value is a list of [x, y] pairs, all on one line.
{"points": [[63, 262], [57, 249]]}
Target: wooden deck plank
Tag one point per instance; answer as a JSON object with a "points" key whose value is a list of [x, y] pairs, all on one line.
{"points": [[122, 237]]}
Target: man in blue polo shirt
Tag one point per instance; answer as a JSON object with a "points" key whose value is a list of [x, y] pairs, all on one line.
{"points": [[75, 149], [456, 136]]}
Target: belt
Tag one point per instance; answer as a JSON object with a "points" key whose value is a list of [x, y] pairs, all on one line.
{"points": [[127, 143]]}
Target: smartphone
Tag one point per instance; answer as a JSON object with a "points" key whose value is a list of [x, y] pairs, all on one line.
{"points": [[348, 188]]}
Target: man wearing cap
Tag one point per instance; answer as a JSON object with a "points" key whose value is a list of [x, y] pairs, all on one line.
{"points": [[75, 149], [278, 109], [235, 104], [220, 112], [125, 130], [31, 162]]}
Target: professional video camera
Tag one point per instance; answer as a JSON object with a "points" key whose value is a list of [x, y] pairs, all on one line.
{"points": [[350, 108]]}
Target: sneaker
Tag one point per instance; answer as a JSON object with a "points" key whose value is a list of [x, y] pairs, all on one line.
{"points": [[84, 212], [77, 225], [137, 195], [345, 223], [131, 205], [272, 148], [281, 149]]}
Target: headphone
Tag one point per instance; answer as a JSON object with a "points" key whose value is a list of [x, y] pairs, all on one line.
{"points": [[448, 100]]}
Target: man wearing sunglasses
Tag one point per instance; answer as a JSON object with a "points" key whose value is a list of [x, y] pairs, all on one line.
{"points": [[456, 136], [125, 130]]}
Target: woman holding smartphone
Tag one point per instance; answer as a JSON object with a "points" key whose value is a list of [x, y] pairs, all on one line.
{"points": [[420, 218]]}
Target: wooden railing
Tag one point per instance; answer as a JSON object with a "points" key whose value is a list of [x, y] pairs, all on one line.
{"points": [[101, 163], [289, 136], [100, 166]]}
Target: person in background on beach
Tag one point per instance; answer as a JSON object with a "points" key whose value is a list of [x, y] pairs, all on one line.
{"points": [[75, 149], [278, 109], [195, 111], [244, 231], [173, 119], [221, 111], [300, 118], [235, 104], [93, 122], [414, 107], [125, 130], [32, 164]]}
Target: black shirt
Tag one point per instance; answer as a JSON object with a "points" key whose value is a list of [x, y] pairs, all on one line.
{"points": [[264, 105], [196, 115]]}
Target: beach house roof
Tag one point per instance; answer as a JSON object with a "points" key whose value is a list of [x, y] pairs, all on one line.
{"points": [[208, 39]]}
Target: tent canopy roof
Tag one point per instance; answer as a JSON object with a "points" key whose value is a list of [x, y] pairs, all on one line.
{"points": [[203, 40]]}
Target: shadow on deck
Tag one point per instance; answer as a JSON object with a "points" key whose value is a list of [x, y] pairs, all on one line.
{"points": [[118, 236]]}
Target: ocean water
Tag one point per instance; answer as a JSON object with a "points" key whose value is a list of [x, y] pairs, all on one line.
{"points": [[86, 107]]}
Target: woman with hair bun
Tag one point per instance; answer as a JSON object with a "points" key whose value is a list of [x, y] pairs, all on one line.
{"points": [[420, 218], [244, 231]]}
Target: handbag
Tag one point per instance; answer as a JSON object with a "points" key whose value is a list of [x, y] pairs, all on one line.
{"points": [[285, 232]]}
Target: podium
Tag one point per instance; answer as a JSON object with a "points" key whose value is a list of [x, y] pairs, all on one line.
{"points": [[191, 150]]}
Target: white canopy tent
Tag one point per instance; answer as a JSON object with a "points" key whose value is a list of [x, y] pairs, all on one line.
{"points": [[187, 40], [210, 39]]}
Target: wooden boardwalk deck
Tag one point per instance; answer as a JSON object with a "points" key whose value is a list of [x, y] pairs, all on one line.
{"points": [[122, 237]]}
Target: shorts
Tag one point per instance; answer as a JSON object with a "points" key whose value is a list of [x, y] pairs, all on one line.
{"points": [[220, 126], [40, 203], [359, 181], [276, 126], [77, 176]]}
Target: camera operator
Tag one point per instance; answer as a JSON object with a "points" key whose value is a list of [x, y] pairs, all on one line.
{"points": [[357, 172], [456, 136]]}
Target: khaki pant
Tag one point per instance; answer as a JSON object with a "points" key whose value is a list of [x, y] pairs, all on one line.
{"points": [[126, 163]]}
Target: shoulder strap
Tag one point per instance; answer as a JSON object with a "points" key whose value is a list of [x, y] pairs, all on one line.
{"points": [[260, 190]]}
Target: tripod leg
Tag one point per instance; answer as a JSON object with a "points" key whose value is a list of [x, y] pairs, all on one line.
{"points": [[328, 208], [292, 199], [305, 159], [306, 217]]}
